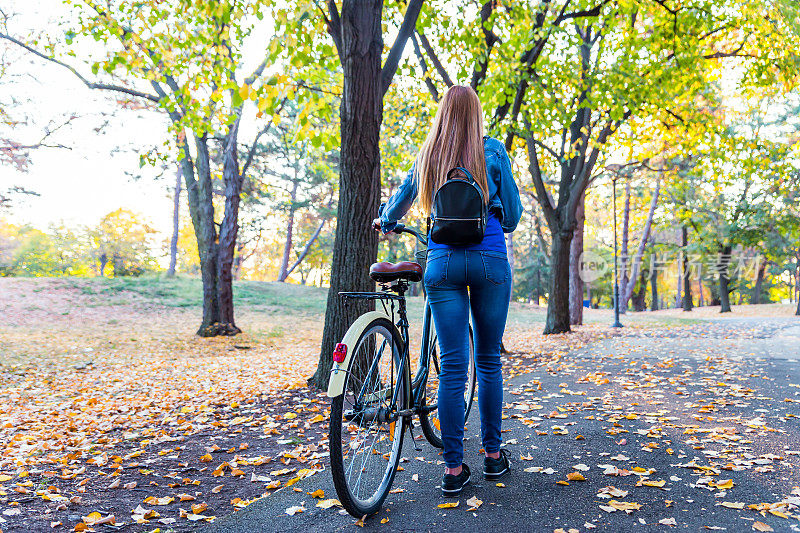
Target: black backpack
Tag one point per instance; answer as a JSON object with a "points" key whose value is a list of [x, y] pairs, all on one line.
{"points": [[459, 211]]}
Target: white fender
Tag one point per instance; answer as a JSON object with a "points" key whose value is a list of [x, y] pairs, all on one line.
{"points": [[339, 370]]}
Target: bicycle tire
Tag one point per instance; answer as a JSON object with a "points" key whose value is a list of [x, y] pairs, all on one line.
{"points": [[428, 422], [354, 504]]}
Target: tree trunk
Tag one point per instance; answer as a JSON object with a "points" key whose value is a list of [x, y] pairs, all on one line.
{"points": [[119, 265], [755, 298], [510, 253], [701, 299], [228, 232], [687, 282], [287, 248], [103, 262], [654, 283], [722, 269], [558, 297], [361, 111], [176, 211], [626, 290], [638, 297], [679, 282], [575, 253], [201, 209]]}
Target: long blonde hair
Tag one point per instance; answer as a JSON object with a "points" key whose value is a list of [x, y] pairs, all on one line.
{"points": [[455, 140]]}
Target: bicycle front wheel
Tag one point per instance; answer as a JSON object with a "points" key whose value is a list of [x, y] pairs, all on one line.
{"points": [[429, 421], [366, 435]]}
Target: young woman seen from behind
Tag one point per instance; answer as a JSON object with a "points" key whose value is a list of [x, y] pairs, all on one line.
{"points": [[463, 279]]}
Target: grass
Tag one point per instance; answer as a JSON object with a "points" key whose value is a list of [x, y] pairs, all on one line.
{"points": [[185, 292], [288, 299]]}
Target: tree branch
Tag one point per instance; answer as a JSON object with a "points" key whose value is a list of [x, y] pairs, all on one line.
{"points": [[89, 84], [306, 248], [592, 12], [396, 52], [434, 59], [489, 39], [541, 192], [334, 24], [251, 153], [424, 66]]}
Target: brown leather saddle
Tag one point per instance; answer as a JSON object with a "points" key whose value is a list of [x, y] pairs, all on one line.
{"points": [[385, 272]]}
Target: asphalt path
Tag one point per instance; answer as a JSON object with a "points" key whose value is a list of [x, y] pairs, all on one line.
{"points": [[665, 417]]}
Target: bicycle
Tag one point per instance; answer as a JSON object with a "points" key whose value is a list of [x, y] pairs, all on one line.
{"points": [[374, 398]]}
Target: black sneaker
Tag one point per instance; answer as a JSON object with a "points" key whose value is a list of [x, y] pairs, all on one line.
{"points": [[452, 485], [496, 468]]}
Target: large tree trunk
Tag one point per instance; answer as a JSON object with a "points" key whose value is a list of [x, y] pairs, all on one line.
{"points": [[228, 232], [687, 282], [755, 298], [575, 253], [355, 245], [558, 296], [176, 211], [287, 247], [722, 269]]}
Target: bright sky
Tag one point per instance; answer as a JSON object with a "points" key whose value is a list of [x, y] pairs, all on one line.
{"points": [[96, 175]]}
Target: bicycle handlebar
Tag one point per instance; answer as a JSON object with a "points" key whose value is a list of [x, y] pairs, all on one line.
{"points": [[401, 228]]}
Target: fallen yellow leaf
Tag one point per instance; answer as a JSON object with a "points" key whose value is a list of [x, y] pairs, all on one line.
{"points": [[448, 505], [327, 504], [733, 505]]}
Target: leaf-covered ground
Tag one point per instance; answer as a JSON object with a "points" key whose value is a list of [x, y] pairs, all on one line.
{"points": [[115, 415], [690, 427]]}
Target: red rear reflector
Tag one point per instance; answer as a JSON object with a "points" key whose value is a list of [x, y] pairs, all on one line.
{"points": [[340, 352]]}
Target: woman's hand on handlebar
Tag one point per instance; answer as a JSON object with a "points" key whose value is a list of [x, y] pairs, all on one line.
{"points": [[376, 224]]}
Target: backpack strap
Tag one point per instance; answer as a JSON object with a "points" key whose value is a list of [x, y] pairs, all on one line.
{"points": [[451, 174]]}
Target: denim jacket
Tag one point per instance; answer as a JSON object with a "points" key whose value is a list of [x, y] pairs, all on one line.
{"points": [[503, 192]]}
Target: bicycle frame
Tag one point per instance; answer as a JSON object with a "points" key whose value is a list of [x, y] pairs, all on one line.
{"points": [[399, 317]]}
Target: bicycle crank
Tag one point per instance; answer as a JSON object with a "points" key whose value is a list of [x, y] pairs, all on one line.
{"points": [[381, 415]]}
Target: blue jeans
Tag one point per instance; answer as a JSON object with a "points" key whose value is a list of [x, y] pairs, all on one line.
{"points": [[457, 281]]}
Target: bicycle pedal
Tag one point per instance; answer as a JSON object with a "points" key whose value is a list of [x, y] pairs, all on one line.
{"points": [[413, 440]]}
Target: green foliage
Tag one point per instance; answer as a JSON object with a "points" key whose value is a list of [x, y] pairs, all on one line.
{"points": [[27, 251], [121, 239], [189, 52], [125, 242]]}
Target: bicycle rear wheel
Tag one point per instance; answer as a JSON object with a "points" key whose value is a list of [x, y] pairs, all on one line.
{"points": [[366, 436], [431, 426]]}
